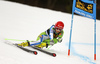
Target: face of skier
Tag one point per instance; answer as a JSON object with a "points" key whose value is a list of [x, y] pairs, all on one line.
{"points": [[58, 30]]}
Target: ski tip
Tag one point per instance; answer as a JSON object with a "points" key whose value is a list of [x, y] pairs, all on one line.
{"points": [[54, 55], [35, 52]]}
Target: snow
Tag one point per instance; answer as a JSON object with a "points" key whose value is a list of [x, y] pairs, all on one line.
{"points": [[22, 22]]}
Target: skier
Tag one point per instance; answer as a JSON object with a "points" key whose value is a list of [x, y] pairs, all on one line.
{"points": [[50, 37]]}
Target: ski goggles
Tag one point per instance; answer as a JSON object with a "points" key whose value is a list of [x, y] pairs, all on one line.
{"points": [[59, 29]]}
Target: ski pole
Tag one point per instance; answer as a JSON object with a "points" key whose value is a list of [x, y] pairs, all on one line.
{"points": [[14, 39], [49, 47]]}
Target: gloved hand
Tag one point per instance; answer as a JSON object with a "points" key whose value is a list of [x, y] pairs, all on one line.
{"points": [[59, 40], [52, 42]]}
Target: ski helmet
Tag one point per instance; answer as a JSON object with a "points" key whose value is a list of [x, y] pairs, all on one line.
{"points": [[59, 25]]}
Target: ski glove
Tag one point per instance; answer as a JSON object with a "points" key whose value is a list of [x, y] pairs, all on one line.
{"points": [[59, 39], [52, 42]]}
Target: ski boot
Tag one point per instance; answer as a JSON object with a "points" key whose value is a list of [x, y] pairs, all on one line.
{"points": [[24, 44], [41, 45]]}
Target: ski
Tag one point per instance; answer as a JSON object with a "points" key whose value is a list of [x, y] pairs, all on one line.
{"points": [[27, 50], [22, 48], [30, 51], [39, 49]]}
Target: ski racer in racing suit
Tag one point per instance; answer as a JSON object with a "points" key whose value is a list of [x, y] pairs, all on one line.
{"points": [[50, 37]]}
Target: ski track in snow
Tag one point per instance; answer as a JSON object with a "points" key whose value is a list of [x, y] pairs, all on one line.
{"points": [[85, 58]]}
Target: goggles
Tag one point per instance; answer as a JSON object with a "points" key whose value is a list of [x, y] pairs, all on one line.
{"points": [[59, 29]]}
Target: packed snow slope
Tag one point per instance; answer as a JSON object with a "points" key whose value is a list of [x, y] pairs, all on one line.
{"points": [[22, 22]]}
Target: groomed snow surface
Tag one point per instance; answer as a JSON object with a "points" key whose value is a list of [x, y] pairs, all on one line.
{"points": [[22, 22]]}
